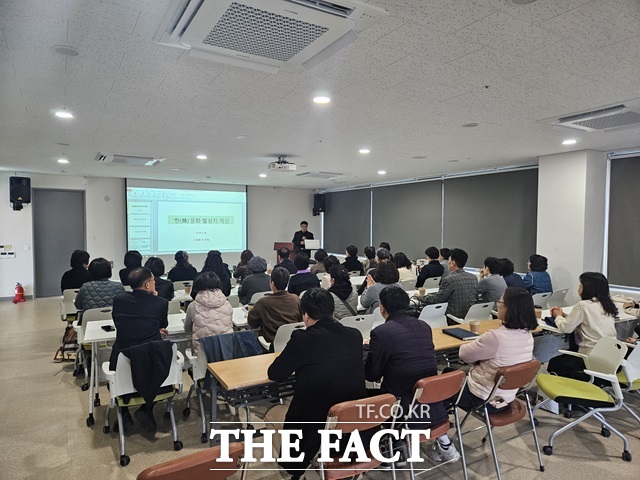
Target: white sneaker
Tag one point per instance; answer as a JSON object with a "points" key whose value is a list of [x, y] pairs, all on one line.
{"points": [[439, 454]]}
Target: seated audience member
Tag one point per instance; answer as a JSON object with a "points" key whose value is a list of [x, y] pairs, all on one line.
{"points": [[370, 261], [277, 308], [345, 297], [258, 281], [387, 246], [351, 263], [329, 262], [382, 256], [491, 285], [303, 279], [213, 263], [590, 319], [459, 288], [445, 253], [140, 316], [284, 261], [405, 267], [327, 361], [386, 275], [242, 269], [319, 257], [183, 270], [432, 269], [210, 313], [132, 259], [78, 275], [537, 280], [508, 345], [163, 287], [633, 308], [510, 278], [401, 352], [99, 292]]}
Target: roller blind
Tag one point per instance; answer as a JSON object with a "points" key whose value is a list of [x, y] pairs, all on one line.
{"points": [[347, 220], [624, 228], [492, 215]]}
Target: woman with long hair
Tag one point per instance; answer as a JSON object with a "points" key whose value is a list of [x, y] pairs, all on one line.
{"points": [[242, 269], [213, 263], [344, 295]]}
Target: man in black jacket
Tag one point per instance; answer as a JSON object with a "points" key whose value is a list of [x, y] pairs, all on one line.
{"points": [[299, 239], [432, 269], [351, 263], [140, 316], [284, 261], [303, 279], [327, 361]]}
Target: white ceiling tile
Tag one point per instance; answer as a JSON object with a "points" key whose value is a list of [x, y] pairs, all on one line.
{"points": [[630, 7], [540, 10]]}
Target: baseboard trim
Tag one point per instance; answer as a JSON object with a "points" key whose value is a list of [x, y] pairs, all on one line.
{"points": [[5, 299]]}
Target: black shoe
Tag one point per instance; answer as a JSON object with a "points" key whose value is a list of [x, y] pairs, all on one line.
{"points": [[145, 417], [127, 422]]}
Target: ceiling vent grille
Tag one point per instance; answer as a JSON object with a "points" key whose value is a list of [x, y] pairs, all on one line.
{"points": [[319, 174], [269, 35], [619, 116], [130, 160]]}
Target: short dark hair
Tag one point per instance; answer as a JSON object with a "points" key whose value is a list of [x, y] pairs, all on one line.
{"points": [[383, 254], [445, 253], [156, 265], [318, 303], [394, 299], [506, 267], [181, 257], [280, 278], [538, 263], [245, 256], [139, 276], [340, 276], [520, 309], [385, 245], [100, 268], [205, 281], [352, 250], [320, 255], [304, 222], [283, 252], [132, 258], [370, 252], [432, 252], [387, 273], [301, 261], [459, 256], [330, 261], [79, 258], [595, 285], [493, 264], [401, 260]]}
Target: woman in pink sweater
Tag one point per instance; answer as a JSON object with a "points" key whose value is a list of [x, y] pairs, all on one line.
{"points": [[508, 345]]}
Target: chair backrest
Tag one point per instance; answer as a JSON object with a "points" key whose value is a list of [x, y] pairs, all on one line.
{"points": [[432, 282], [182, 284], [360, 414], [174, 306], [123, 383], [283, 335], [408, 284], [234, 300], [354, 273], [200, 367], [434, 315], [517, 376], [201, 464], [631, 366], [69, 295], [320, 275], [257, 296], [437, 388], [556, 299], [363, 323], [92, 315], [541, 299], [302, 293], [606, 356], [479, 311], [378, 319]]}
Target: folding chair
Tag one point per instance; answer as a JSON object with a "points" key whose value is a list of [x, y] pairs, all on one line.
{"points": [[257, 296], [522, 377], [234, 300], [408, 284], [603, 363], [363, 323], [84, 349], [182, 285], [174, 307], [201, 464], [283, 335], [629, 377], [434, 315], [67, 307], [199, 371], [541, 299], [432, 282], [557, 298], [121, 383], [378, 319], [479, 311]]}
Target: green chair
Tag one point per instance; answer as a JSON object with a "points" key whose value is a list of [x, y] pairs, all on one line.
{"points": [[602, 363]]}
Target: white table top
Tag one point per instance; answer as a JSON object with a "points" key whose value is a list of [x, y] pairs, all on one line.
{"points": [[622, 317], [182, 296], [95, 334], [239, 318]]}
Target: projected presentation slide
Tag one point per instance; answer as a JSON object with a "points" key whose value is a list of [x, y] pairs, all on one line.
{"points": [[163, 220]]}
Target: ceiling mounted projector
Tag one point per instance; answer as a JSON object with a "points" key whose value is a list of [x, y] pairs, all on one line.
{"points": [[281, 165]]}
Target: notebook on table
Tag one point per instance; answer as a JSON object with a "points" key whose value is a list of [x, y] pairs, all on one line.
{"points": [[460, 333]]}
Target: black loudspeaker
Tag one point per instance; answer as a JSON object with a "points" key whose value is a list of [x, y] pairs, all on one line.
{"points": [[19, 191], [318, 204]]}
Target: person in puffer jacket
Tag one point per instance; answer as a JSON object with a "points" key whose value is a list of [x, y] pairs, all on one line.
{"points": [[210, 313]]}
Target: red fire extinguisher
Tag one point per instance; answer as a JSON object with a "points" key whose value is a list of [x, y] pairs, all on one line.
{"points": [[19, 294]]}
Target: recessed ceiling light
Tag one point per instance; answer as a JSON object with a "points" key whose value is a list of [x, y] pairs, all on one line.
{"points": [[321, 100], [63, 160], [64, 114], [419, 157], [570, 141], [364, 150], [381, 172], [201, 157], [242, 137], [471, 125], [263, 175], [176, 169], [65, 50]]}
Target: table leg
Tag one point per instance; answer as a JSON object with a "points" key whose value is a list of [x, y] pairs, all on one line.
{"points": [[214, 412], [90, 420]]}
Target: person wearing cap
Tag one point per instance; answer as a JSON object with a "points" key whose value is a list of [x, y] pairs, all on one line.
{"points": [[258, 281], [183, 270]]}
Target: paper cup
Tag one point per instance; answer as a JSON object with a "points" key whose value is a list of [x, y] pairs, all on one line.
{"points": [[474, 326]]}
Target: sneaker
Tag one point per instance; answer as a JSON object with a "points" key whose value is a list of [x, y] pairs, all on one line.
{"points": [[127, 422], [145, 417], [439, 454], [384, 466]]}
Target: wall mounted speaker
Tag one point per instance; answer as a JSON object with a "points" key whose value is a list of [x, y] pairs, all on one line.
{"points": [[19, 190], [319, 202]]}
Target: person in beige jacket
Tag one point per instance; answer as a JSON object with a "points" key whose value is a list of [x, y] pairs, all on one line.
{"points": [[590, 319], [633, 308]]}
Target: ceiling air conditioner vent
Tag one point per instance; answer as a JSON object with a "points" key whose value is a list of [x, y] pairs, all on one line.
{"points": [[269, 35], [319, 174], [625, 114], [131, 160]]}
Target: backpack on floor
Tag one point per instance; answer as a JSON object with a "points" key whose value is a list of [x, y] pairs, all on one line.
{"points": [[69, 346]]}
